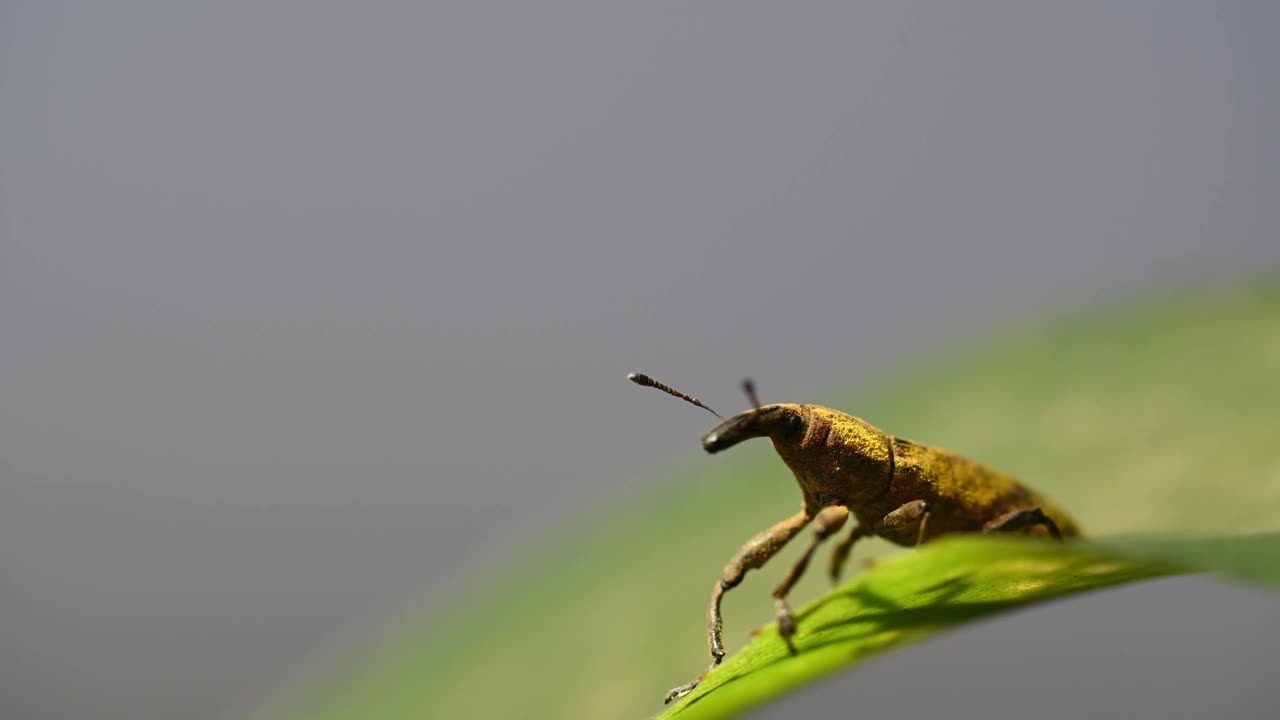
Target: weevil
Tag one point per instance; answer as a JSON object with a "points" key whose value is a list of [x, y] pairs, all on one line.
{"points": [[905, 492]]}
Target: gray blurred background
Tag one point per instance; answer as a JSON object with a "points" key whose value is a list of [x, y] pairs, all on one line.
{"points": [[308, 310]]}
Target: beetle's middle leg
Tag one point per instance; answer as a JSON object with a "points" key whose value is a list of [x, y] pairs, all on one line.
{"points": [[755, 553], [915, 513], [840, 552], [827, 523], [911, 513]]}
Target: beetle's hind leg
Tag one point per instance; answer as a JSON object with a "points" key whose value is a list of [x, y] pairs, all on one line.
{"points": [[827, 523], [1021, 519]]}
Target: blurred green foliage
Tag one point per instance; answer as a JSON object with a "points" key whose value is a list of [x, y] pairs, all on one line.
{"points": [[1158, 416]]}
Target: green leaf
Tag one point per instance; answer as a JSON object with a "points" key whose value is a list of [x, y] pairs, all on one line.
{"points": [[1155, 417], [948, 583]]}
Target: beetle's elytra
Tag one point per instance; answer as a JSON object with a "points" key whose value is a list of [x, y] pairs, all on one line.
{"points": [[902, 491]]}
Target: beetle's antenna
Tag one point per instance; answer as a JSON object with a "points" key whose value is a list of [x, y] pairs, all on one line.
{"points": [[749, 387], [645, 381]]}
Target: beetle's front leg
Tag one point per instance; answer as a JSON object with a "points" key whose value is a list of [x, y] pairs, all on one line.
{"points": [[827, 523], [755, 553]]}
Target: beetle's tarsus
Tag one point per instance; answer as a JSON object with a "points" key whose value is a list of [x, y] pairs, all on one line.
{"points": [[786, 624], [786, 629], [679, 692]]}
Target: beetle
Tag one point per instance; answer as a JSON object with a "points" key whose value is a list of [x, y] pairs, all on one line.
{"points": [[905, 492]]}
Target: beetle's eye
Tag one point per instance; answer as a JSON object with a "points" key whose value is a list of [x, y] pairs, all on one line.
{"points": [[794, 425]]}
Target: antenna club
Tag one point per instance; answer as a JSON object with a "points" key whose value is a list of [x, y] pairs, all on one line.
{"points": [[646, 381]]}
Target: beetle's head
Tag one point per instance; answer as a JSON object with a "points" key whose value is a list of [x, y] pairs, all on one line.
{"points": [[781, 423], [836, 458]]}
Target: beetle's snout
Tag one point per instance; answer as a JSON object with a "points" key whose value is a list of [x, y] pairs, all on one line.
{"points": [[728, 433], [744, 426], [713, 442]]}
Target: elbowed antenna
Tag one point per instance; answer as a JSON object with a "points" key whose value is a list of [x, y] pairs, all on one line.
{"points": [[645, 381]]}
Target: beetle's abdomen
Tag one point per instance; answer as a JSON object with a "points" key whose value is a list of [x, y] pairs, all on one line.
{"points": [[963, 494]]}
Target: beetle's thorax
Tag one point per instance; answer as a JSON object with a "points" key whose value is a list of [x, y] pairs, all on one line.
{"points": [[839, 458]]}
